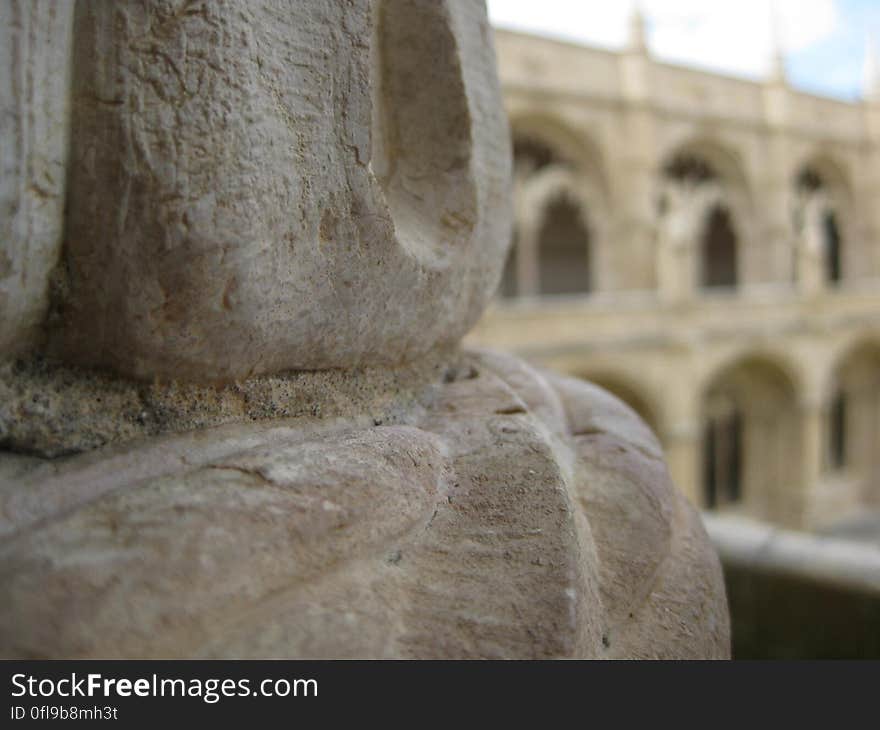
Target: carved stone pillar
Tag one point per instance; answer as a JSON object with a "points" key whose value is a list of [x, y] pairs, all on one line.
{"points": [[281, 220], [812, 448]]}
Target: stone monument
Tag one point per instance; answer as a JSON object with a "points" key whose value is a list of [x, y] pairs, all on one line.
{"points": [[241, 242], [685, 206], [811, 207]]}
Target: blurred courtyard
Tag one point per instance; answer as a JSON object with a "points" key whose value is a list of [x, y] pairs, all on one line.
{"points": [[707, 248]]}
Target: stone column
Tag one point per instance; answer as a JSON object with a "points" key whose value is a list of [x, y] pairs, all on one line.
{"points": [[527, 274], [674, 271], [636, 160], [811, 247], [871, 186], [810, 449], [775, 183]]}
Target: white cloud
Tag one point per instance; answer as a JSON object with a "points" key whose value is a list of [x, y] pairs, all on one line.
{"points": [[733, 36]]}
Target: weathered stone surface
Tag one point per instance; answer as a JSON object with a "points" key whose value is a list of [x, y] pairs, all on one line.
{"points": [[49, 409], [299, 208], [260, 186], [516, 515], [35, 42]]}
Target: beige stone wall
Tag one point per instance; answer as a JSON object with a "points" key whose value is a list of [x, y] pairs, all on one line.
{"points": [[616, 120]]}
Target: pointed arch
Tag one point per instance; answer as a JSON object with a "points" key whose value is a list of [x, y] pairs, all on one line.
{"points": [[723, 162], [852, 417], [567, 146], [564, 255], [636, 395], [718, 249], [832, 172], [560, 192], [716, 238]]}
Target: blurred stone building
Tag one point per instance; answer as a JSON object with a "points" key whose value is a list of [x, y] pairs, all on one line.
{"points": [[708, 249]]}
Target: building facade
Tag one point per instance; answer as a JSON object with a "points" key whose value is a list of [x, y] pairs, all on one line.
{"points": [[708, 249]]}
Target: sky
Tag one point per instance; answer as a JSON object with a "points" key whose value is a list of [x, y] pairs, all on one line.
{"points": [[823, 41]]}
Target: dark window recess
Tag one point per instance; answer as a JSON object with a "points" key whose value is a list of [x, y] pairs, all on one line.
{"points": [[837, 431], [832, 248], [810, 181], [689, 167], [722, 460], [718, 250], [563, 250], [535, 155]]}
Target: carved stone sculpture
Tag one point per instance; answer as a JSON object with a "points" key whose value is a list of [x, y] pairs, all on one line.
{"points": [[810, 210], [685, 206], [35, 43], [245, 427]]}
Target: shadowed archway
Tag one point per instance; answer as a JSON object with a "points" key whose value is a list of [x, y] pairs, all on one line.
{"points": [[750, 439], [852, 422], [718, 265], [564, 249]]}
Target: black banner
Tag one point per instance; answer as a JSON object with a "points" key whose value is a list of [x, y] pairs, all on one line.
{"points": [[145, 692]]}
